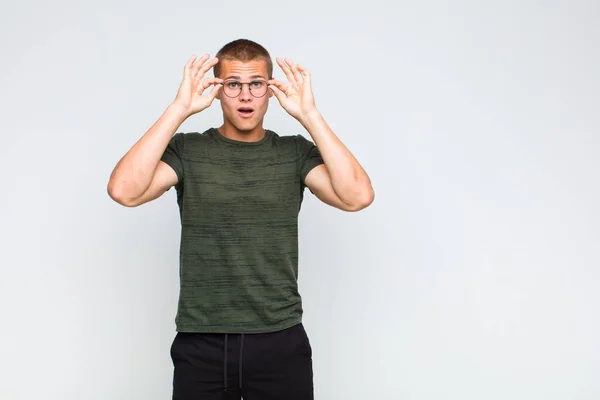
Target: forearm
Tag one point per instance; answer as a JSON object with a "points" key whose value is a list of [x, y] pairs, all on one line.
{"points": [[133, 174], [348, 179]]}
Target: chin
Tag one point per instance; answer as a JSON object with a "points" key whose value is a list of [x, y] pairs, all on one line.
{"points": [[246, 125]]}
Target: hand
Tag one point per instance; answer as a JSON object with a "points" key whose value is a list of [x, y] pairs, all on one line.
{"points": [[296, 97], [193, 85]]}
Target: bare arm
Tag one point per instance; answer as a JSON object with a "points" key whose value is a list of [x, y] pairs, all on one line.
{"points": [[134, 173], [341, 182], [140, 176], [319, 182]]}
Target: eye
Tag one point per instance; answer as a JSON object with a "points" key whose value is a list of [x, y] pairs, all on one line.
{"points": [[257, 84], [233, 84]]}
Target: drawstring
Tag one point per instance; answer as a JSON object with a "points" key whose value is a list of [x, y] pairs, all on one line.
{"points": [[225, 360], [225, 364], [241, 352]]}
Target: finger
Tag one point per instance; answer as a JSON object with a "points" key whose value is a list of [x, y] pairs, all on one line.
{"points": [[215, 90], [304, 72], [206, 67], [306, 77], [280, 85], [188, 65], [294, 68], [286, 70], [198, 64], [199, 61], [212, 81], [278, 93], [205, 84]]}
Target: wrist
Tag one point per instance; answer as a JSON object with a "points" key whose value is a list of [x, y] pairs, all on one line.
{"points": [[179, 111], [311, 118]]}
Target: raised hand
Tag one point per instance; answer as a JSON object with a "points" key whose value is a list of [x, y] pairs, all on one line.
{"points": [[296, 96], [194, 84]]}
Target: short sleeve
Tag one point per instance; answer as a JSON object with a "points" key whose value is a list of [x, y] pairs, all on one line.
{"points": [[173, 155], [308, 157]]}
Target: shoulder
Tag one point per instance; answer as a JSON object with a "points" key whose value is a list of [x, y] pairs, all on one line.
{"points": [[192, 141], [281, 138], [298, 142], [205, 136]]}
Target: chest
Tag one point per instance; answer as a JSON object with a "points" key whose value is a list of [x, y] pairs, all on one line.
{"points": [[243, 179]]}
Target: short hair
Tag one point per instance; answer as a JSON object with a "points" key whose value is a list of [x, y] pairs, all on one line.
{"points": [[243, 50]]}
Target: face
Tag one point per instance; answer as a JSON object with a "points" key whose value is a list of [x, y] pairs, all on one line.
{"points": [[244, 112]]}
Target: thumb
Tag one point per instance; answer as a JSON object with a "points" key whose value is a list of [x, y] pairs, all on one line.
{"points": [[215, 91], [278, 93]]}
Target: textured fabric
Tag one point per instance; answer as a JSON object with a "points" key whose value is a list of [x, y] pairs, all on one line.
{"points": [[239, 205], [259, 366]]}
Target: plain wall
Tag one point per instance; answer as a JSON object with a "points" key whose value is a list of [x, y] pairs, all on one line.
{"points": [[473, 275]]}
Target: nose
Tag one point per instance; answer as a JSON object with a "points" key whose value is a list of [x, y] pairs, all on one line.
{"points": [[245, 94]]}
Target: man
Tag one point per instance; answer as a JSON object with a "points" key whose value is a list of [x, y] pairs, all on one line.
{"points": [[239, 189]]}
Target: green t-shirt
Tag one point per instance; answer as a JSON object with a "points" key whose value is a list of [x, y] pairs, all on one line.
{"points": [[239, 204]]}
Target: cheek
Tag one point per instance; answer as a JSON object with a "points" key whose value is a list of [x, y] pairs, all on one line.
{"points": [[227, 104], [264, 103]]}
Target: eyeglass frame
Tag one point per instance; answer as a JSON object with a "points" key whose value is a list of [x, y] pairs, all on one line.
{"points": [[242, 87]]}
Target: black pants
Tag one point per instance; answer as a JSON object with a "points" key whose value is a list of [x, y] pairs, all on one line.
{"points": [[257, 366]]}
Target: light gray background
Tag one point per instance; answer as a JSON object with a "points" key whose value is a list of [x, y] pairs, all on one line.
{"points": [[473, 275]]}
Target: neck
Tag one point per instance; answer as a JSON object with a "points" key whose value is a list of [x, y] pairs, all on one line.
{"points": [[231, 132]]}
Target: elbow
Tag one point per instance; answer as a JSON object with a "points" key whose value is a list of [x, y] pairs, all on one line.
{"points": [[117, 194], [365, 200]]}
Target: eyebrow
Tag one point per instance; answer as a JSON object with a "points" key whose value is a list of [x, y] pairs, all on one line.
{"points": [[239, 78]]}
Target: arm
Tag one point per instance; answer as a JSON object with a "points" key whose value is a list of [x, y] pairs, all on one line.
{"points": [[341, 182], [140, 176], [319, 183]]}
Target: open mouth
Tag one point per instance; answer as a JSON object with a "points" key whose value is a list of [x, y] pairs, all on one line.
{"points": [[245, 111]]}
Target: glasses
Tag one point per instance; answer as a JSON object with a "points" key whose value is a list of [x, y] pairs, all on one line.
{"points": [[257, 88]]}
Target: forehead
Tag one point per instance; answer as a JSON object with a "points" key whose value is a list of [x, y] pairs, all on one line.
{"points": [[243, 70]]}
